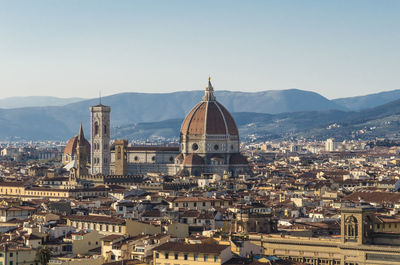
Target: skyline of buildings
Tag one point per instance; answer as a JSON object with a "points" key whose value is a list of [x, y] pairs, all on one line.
{"points": [[268, 176]]}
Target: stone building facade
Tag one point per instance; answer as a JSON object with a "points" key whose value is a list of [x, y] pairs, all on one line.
{"points": [[358, 244]]}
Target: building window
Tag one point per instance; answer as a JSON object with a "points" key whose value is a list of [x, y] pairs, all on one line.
{"points": [[176, 255], [195, 147], [195, 257], [351, 227], [185, 256], [166, 255], [96, 128], [215, 258], [157, 255], [205, 257]]}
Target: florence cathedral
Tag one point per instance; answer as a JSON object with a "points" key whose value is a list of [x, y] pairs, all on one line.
{"points": [[209, 145]]}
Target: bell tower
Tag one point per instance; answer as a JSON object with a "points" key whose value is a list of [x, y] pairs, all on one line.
{"points": [[100, 139], [357, 225]]}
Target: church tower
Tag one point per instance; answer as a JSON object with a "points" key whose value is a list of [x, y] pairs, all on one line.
{"points": [[357, 225], [100, 139], [81, 155]]}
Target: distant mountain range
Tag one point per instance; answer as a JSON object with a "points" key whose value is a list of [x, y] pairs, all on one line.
{"points": [[382, 121], [268, 114], [35, 101], [368, 101]]}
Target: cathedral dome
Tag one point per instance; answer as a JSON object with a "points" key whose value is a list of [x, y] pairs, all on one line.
{"points": [[209, 117], [70, 148]]}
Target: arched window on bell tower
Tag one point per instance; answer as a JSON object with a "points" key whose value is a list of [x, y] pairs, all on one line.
{"points": [[351, 228], [96, 128]]}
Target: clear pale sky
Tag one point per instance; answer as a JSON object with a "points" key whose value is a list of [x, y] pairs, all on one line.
{"points": [[76, 48]]}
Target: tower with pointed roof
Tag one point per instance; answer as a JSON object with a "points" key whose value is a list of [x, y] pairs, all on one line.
{"points": [[81, 155], [100, 139]]}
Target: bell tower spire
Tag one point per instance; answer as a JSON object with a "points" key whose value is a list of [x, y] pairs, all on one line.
{"points": [[81, 155], [209, 92]]}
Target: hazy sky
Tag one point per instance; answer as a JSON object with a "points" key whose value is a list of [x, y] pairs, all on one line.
{"points": [[76, 48]]}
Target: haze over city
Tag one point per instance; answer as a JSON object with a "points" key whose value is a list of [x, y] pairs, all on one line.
{"points": [[78, 48]]}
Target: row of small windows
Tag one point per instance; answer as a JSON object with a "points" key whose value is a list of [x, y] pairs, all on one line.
{"points": [[32, 192], [96, 160], [378, 226], [153, 158], [10, 190], [96, 146], [46, 193], [186, 256], [216, 147], [98, 227], [186, 204], [96, 129]]}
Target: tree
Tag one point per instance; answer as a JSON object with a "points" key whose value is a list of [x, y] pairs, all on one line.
{"points": [[43, 255]]}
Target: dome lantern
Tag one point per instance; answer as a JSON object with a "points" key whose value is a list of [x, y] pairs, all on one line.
{"points": [[209, 92]]}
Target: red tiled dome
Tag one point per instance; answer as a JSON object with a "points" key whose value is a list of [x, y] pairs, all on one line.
{"points": [[209, 117], [70, 148]]}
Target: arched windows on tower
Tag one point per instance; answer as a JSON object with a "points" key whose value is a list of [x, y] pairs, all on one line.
{"points": [[96, 128], [351, 228]]}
